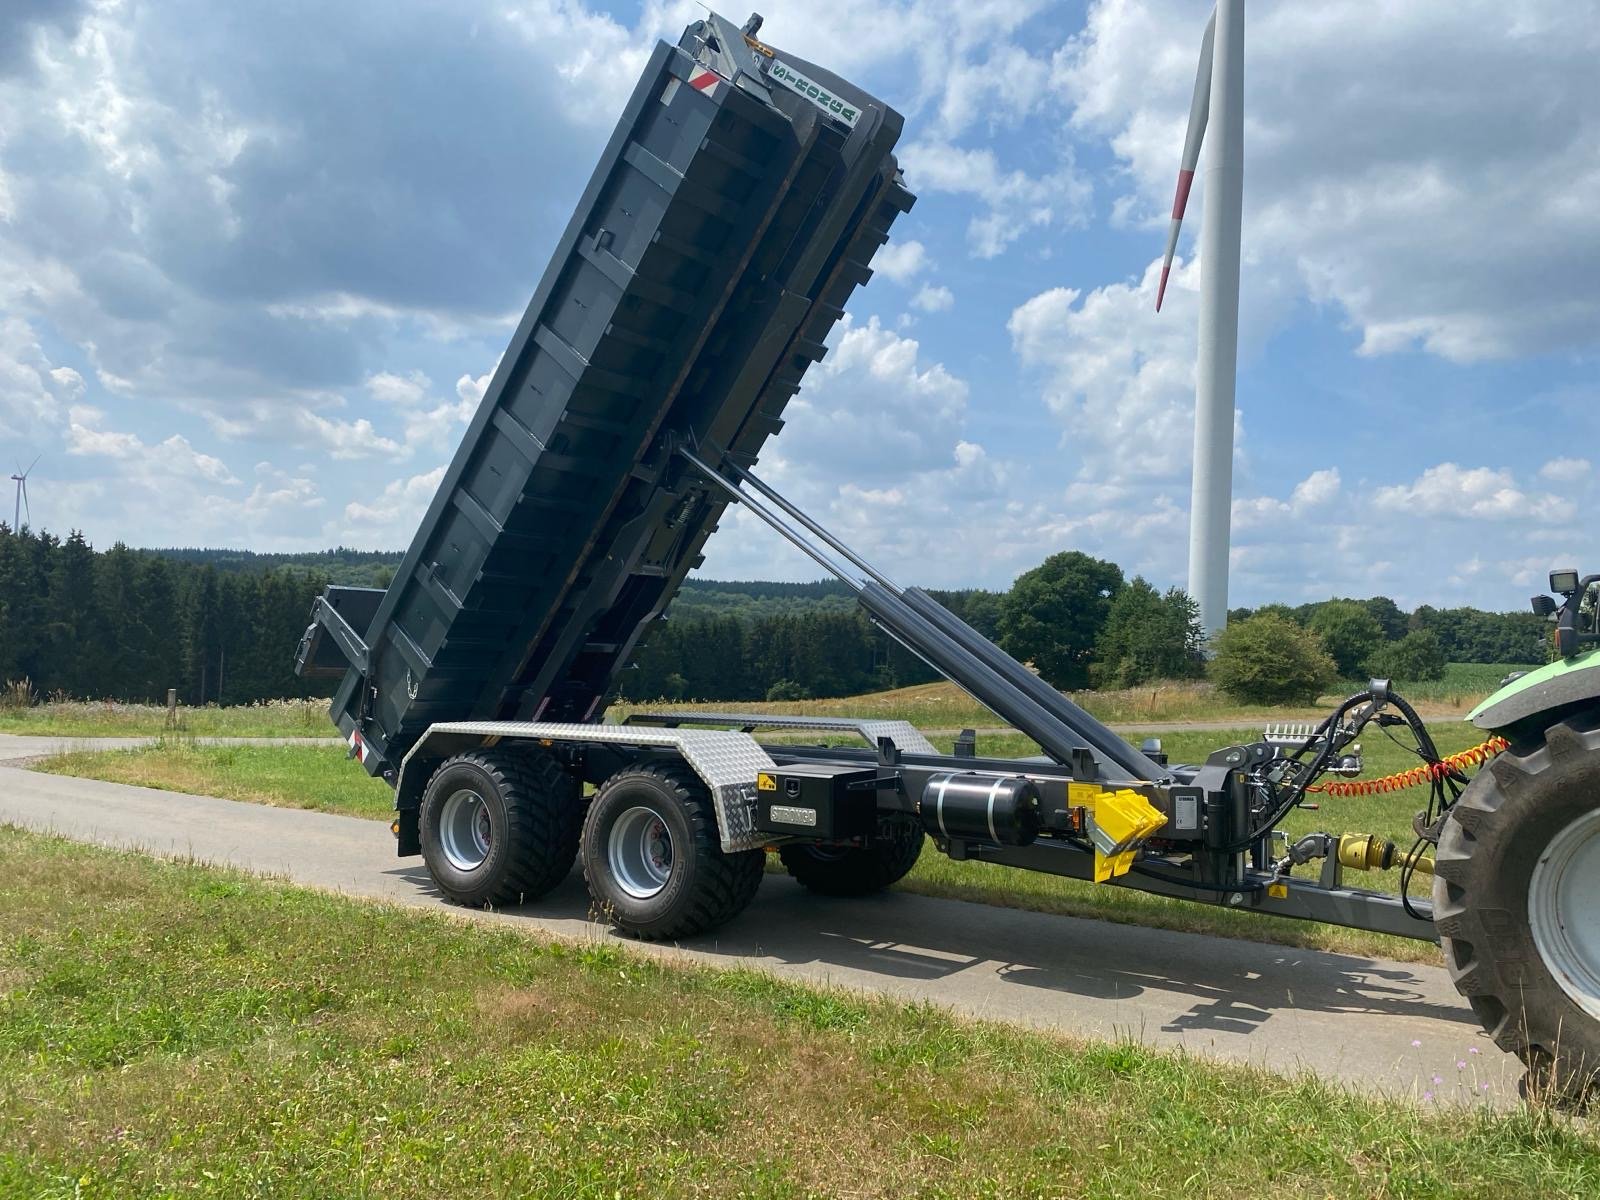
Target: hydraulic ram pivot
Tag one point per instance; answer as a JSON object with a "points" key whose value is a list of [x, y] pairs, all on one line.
{"points": [[734, 211]]}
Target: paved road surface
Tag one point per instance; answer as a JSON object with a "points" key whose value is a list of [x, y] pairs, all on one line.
{"points": [[1373, 1024]]}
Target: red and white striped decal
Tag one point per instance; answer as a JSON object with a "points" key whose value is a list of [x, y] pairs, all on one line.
{"points": [[702, 80], [358, 746]]}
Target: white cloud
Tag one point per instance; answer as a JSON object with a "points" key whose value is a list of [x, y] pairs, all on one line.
{"points": [[1316, 489], [933, 298], [344, 440], [401, 391], [900, 261], [1119, 375], [1013, 200], [1565, 470], [470, 389], [392, 517], [1436, 181], [1450, 490], [32, 391], [277, 492], [172, 457]]}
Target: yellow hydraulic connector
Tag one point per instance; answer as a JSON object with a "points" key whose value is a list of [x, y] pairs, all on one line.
{"points": [[1369, 852], [1365, 852], [1118, 823]]}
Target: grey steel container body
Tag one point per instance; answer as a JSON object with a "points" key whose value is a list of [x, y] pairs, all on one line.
{"points": [[711, 253]]}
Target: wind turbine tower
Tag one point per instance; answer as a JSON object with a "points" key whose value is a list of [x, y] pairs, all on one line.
{"points": [[1218, 94], [21, 480]]}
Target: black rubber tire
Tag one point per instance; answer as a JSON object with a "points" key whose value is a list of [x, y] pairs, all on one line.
{"points": [[705, 886], [535, 812], [1491, 841], [856, 870]]}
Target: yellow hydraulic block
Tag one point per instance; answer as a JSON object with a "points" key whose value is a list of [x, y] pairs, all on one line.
{"points": [[1119, 822]]}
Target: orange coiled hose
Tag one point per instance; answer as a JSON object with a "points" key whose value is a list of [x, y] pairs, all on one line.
{"points": [[1416, 776]]}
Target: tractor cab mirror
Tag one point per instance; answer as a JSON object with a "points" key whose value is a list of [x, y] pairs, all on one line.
{"points": [[1543, 606], [1578, 622]]}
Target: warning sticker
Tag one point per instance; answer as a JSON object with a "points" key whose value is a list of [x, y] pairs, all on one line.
{"points": [[702, 80], [835, 107]]}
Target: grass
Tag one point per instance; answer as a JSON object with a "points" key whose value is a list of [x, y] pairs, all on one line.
{"points": [[319, 777], [929, 705], [109, 718], [944, 706], [314, 777], [167, 1029]]}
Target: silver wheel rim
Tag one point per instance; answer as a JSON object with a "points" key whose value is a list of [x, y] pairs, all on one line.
{"points": [[1564, 910], [465, 831], [639, 852]]}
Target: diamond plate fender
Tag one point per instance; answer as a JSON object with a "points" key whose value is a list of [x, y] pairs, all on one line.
{"points": [[906, 737], [726, 762]]}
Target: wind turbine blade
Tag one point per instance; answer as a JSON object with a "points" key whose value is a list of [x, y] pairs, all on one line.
{"points": [[27, 508], [1199, 110], [32, 465]]}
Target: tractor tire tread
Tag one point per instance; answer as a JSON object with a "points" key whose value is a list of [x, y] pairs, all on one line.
{"points": [[1470, 918]]}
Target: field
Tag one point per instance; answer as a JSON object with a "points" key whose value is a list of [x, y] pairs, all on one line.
{"points": [[944, 706], [931, 706], [320, 777], [109, 718], [167, 1029]]}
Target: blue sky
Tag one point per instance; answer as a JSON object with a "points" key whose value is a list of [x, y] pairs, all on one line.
{"points": [[256, 263]]}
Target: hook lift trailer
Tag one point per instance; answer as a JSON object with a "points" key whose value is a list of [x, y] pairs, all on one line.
{"points": [[736, 206]]}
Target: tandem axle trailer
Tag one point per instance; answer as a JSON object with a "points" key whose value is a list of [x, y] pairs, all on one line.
{"points": [[735, 208]]}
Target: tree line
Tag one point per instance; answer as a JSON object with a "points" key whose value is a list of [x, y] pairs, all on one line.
{"points": [[128, 624]]}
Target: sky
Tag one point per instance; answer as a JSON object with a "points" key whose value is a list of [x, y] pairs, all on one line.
{"points": [[258, 263]]}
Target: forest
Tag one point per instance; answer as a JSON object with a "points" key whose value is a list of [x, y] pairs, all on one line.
{"points": [[221, 626]]}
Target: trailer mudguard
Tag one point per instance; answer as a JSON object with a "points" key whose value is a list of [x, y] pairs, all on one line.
{"points": [[1555, 686]]}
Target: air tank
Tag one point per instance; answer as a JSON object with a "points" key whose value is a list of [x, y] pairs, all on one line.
{"points": [[962, 805]]}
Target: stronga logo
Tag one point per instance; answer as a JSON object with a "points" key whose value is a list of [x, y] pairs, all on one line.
{"points": [[818, 95]]}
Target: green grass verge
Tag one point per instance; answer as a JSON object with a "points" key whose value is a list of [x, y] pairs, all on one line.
{"points": [[320, 777], [167, 1029], [314, 777], [107, 718]]}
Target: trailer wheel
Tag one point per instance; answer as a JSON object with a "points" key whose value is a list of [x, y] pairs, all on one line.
{"points": [[499, 828], [1516, 898], [652, 858], [856, 870]]}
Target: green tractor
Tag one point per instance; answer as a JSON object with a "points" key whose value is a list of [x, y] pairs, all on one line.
{"points": [[1516, 889]]}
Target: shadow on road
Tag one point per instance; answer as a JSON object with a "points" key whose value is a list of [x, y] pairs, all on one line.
{"points": [[1236, 985]]}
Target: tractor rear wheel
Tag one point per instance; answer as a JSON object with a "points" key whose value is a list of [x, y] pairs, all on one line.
{"points": [[856, 870], [1516, 899]]}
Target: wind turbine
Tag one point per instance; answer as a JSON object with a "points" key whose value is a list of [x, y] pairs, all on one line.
{"points": [[1218, 93], [21, 480]]}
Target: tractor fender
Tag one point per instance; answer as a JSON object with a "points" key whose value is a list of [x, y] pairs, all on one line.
{"points": [[1555, 686]]}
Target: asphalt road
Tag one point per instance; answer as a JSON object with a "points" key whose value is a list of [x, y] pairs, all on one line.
{"points": [[1396, 1028]]}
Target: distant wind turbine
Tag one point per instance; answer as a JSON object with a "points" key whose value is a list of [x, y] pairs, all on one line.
{"points": [[21, 480], [1219, 94]]}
